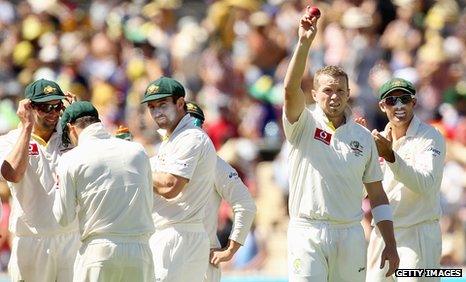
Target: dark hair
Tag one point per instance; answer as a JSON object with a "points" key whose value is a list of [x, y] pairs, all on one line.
{"points": [[81, 122], [85, 121]]}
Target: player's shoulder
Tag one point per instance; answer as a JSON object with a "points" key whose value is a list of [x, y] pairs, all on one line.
{"points": [[71, 157], [11, 136], [126, 143], [430, 132], [129, 146], [222, 167], [360, 130], [192, 134]]}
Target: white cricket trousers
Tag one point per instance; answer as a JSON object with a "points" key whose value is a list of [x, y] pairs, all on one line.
{"points": [[180, 252], [44, 258], [320, 251], [115, 259], [418, 246], [213, 274]]}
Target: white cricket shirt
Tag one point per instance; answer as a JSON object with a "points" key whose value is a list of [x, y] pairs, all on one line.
{"points": [[188, 153], [229, 187], [111, 182], [32, 198], [412, 182], [328, 167]]}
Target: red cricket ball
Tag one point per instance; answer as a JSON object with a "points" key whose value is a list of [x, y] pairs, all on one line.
{"points": [[313, 11]]}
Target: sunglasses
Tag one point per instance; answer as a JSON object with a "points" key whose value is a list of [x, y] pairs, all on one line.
{"points": [[404, 99], [47, 108]]}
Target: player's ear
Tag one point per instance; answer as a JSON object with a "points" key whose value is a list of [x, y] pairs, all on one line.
{"points": [[382, 106], [313, 93], [181, 103]]}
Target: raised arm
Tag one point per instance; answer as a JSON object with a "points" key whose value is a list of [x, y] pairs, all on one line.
{"points": [[15, 163], [294, 97]]}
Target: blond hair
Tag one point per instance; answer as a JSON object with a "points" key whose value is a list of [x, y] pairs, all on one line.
{"points": [[333, 71]]}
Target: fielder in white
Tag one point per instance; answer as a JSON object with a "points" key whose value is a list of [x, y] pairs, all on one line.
{"points": [[42, 251], [331, 159], [229, 187], [413, 155], [110, 180], [183, 173]]}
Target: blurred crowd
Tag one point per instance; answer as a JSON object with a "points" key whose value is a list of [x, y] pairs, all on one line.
{"points": [[231, 55]]}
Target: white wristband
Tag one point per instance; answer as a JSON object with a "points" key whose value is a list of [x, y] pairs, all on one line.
{"points": [[382, 212]]}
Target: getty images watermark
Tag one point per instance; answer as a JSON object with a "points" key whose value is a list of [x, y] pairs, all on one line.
{"points": [[429, 272]]}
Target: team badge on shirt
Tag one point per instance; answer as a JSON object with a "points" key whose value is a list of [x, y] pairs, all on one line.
{"points": [[323, 136], [33, 149], [297, 266], [356, 147]]}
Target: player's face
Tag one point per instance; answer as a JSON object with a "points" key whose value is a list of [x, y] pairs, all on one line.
{"points": [[399, 107], [164, 112], [332, 94], [47, 114]]}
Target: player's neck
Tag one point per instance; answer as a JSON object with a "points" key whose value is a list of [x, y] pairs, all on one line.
{"points": [[43, 133], [337, 121], [399, 131]]}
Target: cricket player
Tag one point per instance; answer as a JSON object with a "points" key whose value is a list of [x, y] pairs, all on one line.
{"points": [[183, 174], [412, 154], [42, 249], [229, 187], [110, 180], [331, 159]]}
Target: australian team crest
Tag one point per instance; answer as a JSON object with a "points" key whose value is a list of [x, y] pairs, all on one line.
{"points": [[152, 89], [49, 89], [190, 107], [356, 147]]}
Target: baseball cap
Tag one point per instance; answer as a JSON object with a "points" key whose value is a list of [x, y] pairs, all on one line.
{"points": [[396, 84], [43, 90], [162, 88], [195, 111]]}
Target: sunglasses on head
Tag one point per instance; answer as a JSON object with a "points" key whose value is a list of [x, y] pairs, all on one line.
{"points": [[404, 99], [47, 108]]}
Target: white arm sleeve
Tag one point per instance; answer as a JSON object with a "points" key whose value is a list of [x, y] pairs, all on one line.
{"points": [[232, 189], [424, 174]]}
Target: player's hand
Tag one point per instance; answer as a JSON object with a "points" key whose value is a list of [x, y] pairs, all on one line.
{"points": [[362, 121], [307, 27], [70, 98], [389, 253], [219, 255], [25, 113], [384, 145]]}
